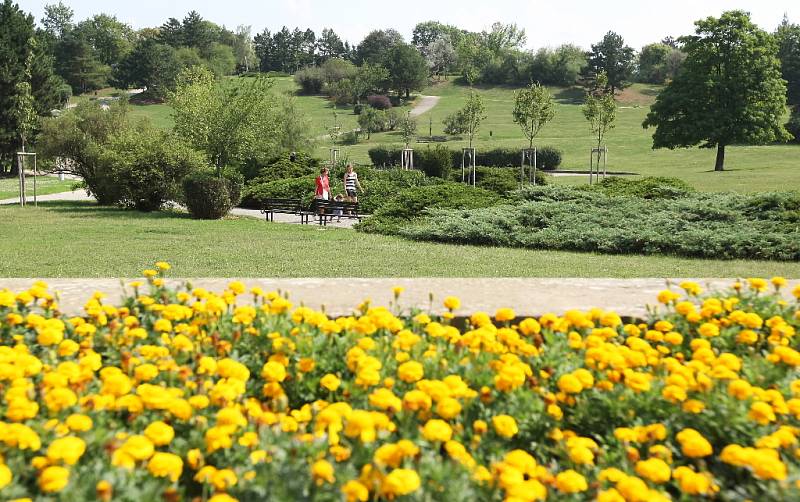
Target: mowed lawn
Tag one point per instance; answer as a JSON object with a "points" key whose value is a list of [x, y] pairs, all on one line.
{"points": [[72, 239], [749, 168], [9, 187]]}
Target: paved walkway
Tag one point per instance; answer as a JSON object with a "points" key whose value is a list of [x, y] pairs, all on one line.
{"points": [[528, 297], [425, 103], [80, 195]]}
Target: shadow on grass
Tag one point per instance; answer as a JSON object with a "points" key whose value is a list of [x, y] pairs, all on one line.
{"points": [[570, 96], [88, 208]]}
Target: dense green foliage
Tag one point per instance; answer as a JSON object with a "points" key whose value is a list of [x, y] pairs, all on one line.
{"points": [[788, 37], [27, 84], [710, 103], [408, 205], [647, 188], [209, 196], [547, 157], [143, 166], [612, 57], [723, 225]]}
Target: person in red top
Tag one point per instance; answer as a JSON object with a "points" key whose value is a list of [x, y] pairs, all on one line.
{"points": [[323, 185]]}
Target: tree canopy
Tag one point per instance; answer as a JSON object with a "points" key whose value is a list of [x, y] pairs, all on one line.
{"points": [[533, 108], [729, 91], [612, 57]]}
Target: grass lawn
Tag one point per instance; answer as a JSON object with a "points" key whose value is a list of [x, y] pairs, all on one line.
{"points": [[56, 239], [749, 168], [9, 187]]}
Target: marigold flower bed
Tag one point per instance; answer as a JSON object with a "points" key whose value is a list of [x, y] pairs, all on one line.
{"points": [[185, 395]]}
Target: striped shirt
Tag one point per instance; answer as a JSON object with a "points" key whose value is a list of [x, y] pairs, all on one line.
{"points": [[350, 180]]}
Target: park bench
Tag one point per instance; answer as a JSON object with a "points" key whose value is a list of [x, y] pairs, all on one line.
{"points": [[326, 210], [270, 206]]}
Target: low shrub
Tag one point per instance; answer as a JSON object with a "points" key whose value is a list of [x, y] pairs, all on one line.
{"points": [[548, 158], [209, 196], [392, 119], [358, 108], [145, 165], [651, 187], [715, 225], [379, 101], [502, 180], [310, 80], [382, 156], [434, 161], [408, 205]]}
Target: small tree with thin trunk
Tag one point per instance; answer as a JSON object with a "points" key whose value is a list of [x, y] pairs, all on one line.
{"points": [[408, 129], [473, 113], [533, 108], [600, 110]]}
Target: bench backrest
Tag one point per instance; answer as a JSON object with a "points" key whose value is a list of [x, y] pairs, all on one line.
{"points": [[335, 205], [284, 204]]}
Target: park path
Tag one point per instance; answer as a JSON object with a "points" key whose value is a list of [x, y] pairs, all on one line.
{"points": [[425, 104], [80, 195], [339, 296]]}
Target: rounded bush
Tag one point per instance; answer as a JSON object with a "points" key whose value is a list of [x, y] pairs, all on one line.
{"points": [[379, 101], [209, 196], [548, 158]]}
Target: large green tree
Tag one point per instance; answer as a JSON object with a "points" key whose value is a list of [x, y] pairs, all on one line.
{"points": [[614, 58], [408, 70], [229, 122], [110, 38], [151, 65], [729, 91], [78, 64], [653, 63], [788, 36], [376, 46], [27, 84]]}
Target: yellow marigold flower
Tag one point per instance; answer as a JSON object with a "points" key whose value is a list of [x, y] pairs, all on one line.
{"points": [[633, 488], [400, 482], [53, 479], [757, 284], [104, 490], [610, 495], [667, 296], [570, 384], [355, 491], [452, 303], [740, 389], [571, 482], [222, 497], [397, 291], [505, 315], [555, 411], [761, 412], [448, 408], [159, 433], [437, 430], [410, 371], [162, 265], [505, 426], [138, 447], [654, 469], [693, 444], [693, 483], [5, 476], [273, 372], [306, 364], [322, 472], [222, 479], [164, 465], [67, 449], [330, 382]]}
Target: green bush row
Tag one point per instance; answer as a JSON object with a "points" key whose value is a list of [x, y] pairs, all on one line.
{"points": [[547, 157], [715, 225]]}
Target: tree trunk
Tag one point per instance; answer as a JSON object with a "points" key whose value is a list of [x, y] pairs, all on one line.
{"points": [[720, 163]]}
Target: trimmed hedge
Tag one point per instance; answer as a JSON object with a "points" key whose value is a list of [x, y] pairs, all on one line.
{"points": [[651, 187], [762, 226], [547, 157]]}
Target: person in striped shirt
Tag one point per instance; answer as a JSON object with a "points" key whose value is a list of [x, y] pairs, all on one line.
{"points": [[351, 183]]}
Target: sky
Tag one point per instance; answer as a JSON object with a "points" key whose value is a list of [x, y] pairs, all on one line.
{"points": [[547, 23]]}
